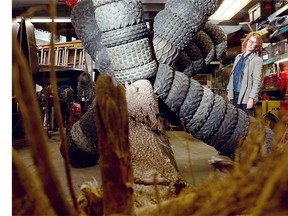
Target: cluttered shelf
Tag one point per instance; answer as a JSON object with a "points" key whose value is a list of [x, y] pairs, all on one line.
{"points": [[274, 26], [274, 59]]}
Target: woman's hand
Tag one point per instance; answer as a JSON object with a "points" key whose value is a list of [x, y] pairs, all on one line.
{"points": [[250, 103]]}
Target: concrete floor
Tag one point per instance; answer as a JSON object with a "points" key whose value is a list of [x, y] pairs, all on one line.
{"points": [[191, 156]]}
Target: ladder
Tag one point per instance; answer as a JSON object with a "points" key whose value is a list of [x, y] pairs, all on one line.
{"points": [[67, 54]]}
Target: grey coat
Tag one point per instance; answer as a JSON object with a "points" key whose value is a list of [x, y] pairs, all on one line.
{"points": [[251, 82]]}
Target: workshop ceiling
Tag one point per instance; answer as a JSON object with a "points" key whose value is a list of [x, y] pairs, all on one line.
{"points": [[40, 8]]}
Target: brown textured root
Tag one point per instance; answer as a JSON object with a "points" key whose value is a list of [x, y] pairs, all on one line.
{"points": [[91, 198], [57, 106], [112, 130], [23, 89], [27, 195]]}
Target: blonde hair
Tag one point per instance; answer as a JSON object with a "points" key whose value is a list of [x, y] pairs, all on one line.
{"points": [[259, 41]]}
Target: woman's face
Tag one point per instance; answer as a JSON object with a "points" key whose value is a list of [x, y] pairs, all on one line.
{"points": [[251, 44]]}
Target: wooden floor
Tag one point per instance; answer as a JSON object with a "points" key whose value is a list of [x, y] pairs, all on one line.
{"points": [[191, 156]]}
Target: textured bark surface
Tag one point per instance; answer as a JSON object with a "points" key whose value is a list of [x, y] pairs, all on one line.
{"points": [[25, 92], [112, 129]]}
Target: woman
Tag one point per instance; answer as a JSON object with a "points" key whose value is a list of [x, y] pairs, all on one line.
{"points": [[245, 79]]}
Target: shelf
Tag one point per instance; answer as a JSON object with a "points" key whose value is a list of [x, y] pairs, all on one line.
{"points": [[278, 12], [276, 58], [278, 32], [64, 75], [273, 90], [266, 30]]}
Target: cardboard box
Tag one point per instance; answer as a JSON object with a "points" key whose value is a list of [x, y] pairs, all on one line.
{"points": [[282, 47], [260, 10]]}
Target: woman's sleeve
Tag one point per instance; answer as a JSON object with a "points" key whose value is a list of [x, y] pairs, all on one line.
{"points": [[256, 82]]}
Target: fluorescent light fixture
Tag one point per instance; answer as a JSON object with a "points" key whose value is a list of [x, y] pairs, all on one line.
{"points": [[228, 9], [47, 20]]}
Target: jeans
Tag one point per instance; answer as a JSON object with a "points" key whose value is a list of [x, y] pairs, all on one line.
{"points": [[250, 112]]}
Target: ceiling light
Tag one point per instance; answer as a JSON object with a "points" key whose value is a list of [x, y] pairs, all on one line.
{"points": [[228, 9], [47, 20]]}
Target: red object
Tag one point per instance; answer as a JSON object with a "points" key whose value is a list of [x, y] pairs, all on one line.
{"points": [[75, 114], [283, 79], [284, 105], [71, 3], [271, 81], [268, 7], [265, 96], [49, 96]]}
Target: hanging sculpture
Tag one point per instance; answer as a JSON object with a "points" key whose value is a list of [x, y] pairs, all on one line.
{"points": [[124, 38], [154, 70], [204, 114]]}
